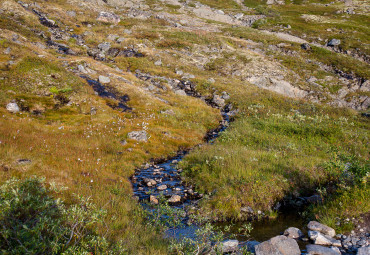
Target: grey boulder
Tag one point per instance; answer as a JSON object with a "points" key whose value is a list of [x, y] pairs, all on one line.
{"points": [[316, 226], [278, 245], [293, 232], [319, 238]]}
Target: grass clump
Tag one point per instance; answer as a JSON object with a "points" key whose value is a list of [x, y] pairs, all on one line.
{"points": [[350, 198]]}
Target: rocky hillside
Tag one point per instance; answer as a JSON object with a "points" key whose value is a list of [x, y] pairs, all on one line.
{"points": [[91, 90]]}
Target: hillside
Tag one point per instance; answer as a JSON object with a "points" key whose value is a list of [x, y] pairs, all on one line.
{"points": [[93, 90]]}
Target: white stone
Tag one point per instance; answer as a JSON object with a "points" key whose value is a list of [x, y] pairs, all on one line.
{"points": [[13, 107]]}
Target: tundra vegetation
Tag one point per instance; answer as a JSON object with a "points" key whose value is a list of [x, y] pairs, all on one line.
{"points": [[278, 145]]}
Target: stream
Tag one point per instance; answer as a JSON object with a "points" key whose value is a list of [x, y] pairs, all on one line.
{"points": [[163, 179]]}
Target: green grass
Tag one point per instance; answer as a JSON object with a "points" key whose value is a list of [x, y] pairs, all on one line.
{"points": [[269, 153]]}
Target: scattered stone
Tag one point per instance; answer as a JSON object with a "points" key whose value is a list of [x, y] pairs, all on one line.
{"points": [[105, 46], [13, 107], [158, 63], [153, 200], [219, 101], [82, 69], [305, 46], [247, 209], [279, 245], [334, 42], [120, 39], [162, 187], [180, 92], [7, 51], [174, 199], [316, 226], [314, 249], [104, 79], [108, 17], [229, 246], [123, 142], [141, 136], [24, 161], [293, 233], [150, 182], [71, 14], [112, 37]]}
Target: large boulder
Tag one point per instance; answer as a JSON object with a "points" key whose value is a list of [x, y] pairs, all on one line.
{"points": [[319, 238], [108, 17], [316, 226], [141, 136], [278, 245], [313, 249], [293, 232]]}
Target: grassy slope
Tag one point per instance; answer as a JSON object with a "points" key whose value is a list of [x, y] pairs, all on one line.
{"points": [[269, 151]]}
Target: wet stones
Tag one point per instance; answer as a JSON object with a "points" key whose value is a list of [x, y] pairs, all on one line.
{"points": [[153, 200], [174, 199], [149, 182], [162, 187]]}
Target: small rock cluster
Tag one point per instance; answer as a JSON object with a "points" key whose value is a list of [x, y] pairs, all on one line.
{"points": [[161, 180]]}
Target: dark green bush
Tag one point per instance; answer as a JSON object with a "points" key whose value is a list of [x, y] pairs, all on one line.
{"points": [[32, 221]]}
